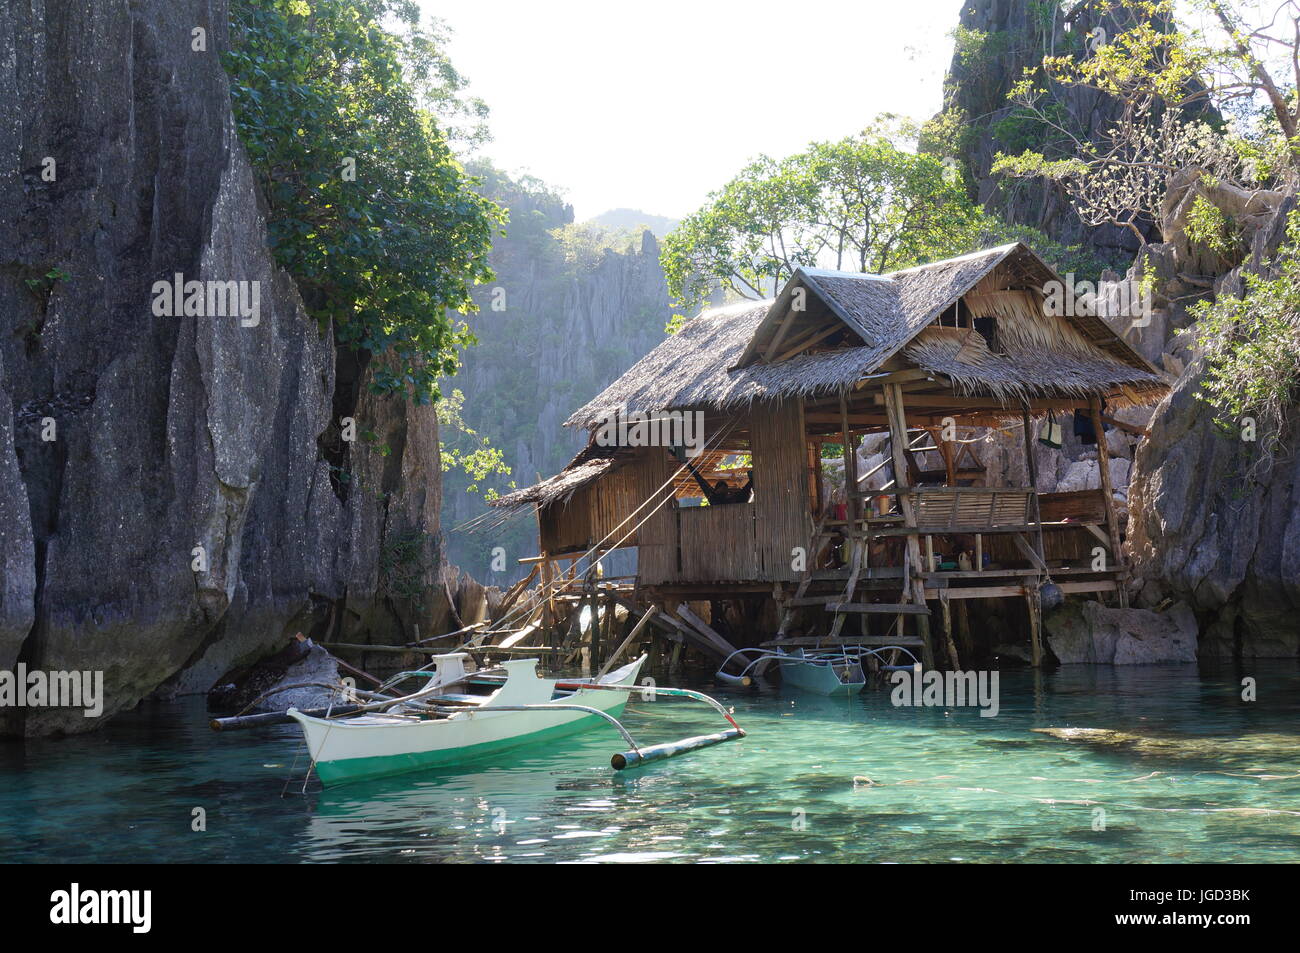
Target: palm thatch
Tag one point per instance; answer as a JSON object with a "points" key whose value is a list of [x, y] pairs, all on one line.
{"points": [[715, 361], [694, 369], [591, 462]]}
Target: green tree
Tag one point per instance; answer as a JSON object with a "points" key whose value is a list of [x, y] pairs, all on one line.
{"points": [[340, 104], [1208, 149], [864, 203]]}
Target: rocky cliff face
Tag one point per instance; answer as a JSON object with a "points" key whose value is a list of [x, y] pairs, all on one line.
{"points": [[166, 508], [573, 312], [996, 41], [1209, 524]]}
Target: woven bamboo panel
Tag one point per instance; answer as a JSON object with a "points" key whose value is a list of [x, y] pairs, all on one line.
{"points": [[780, 486], [953, 509], [657, 538], [719, 543]]}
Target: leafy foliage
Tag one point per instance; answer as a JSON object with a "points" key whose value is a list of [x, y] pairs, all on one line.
{"points": [[464, 449], [368, 207], [863, 203], [1252, 345]]}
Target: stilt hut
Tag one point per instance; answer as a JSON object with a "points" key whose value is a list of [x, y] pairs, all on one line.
{"points": [[778, 387]]}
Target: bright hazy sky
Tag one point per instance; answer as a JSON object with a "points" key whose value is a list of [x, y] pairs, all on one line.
{"points": [[651, 105]]}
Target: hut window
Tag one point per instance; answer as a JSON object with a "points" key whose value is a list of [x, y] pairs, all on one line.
{"points": [[988, 330]]}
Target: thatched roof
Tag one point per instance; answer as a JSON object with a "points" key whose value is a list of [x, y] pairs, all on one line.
{"points": [[591, 462], [714, 360]]}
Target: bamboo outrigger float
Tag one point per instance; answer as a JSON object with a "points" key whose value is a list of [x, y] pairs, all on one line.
{"points": [[446, 724]]}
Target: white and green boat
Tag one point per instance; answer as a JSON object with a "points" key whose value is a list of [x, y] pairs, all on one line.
{"points": [[446, 724]]}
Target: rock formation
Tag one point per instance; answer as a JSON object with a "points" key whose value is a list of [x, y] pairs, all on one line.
{"points": [[184, 518]]}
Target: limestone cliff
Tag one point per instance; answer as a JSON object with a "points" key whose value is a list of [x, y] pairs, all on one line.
{"points": [[170, 433], [571, 309], [996, 41], [1208, 523]]}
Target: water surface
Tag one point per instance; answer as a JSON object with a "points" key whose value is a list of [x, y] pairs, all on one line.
{"points": [[1197, 775]]}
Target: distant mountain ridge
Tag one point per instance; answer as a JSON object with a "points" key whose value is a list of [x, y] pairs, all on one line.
{"points": [[622, 218]]}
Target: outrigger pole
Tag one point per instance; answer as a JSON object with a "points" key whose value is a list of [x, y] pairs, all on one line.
{"points": [[637, 755]]}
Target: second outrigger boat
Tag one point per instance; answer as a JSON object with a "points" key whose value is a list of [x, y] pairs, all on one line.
{"points": [[833, 670], [447, 722]]}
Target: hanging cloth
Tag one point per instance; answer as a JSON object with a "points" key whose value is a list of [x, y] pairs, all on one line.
{"points": [[1083, 428], [1051, 434]]}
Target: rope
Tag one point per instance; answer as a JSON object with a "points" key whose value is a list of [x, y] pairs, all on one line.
{"points": [[557, 584]]}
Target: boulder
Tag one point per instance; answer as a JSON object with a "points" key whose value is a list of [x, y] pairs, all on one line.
{"points": [[1089, 633]]}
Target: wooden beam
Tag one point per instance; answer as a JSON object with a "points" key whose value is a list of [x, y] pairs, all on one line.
{"points": [[808, 341], [781, 331], [982, 403], [882, 608], [898, 448], [1103, 464], [641, 623]]}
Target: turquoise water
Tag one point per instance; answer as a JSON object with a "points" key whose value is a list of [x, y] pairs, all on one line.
{"points": [[1198, 776]]}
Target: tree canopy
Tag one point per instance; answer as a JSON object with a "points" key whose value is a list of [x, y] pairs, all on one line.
{"points": [[347, 108], [860, 204]]}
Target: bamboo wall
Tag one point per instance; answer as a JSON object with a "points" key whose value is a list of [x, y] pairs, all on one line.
{"points": [[657, 550], [595, 511], [739, 542], [780, 486], [719, 543]]}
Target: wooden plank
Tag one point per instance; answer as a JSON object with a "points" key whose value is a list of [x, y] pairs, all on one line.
{"points": [[1090, 585], [870, 641], [881, 608], [978, 592], [981, 403], [1029, 552], [641, 623], [684, 611], [516, 638], [1127, 427]]}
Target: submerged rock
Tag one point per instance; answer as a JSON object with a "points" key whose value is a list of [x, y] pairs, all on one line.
{"points": [[1090, 633]]}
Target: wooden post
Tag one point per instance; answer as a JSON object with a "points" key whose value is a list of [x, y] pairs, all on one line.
{"points": [[850, 466], [1035, 625], [953, 661], [1031, 469], [1031, 592], [912, 570], [1108, 491], [963, 630], [631, 637], [548, 602]]}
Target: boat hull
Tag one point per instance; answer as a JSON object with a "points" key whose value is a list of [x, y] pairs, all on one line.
{"points": [[379, 745], [821, 678]]}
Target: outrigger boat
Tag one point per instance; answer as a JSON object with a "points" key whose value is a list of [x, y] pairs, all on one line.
{"points": [[830, 671], [445, 723]]}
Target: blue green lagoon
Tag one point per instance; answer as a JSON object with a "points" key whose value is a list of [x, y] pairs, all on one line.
{"points": [[1172, 765]]}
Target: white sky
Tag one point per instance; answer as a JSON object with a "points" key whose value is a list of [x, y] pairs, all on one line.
{"points": [[652, 105]]}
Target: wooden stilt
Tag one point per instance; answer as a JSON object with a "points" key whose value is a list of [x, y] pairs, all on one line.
{"points": [[963, 631], [953, 661], [1108, 490], [1035, 626], [915, 584]]}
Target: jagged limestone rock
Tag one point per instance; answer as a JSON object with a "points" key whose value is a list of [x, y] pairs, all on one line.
{"points": [[1210, 523], [1090, 633], [173, 432]]}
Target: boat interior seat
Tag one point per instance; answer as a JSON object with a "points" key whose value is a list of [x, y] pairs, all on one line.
{"points": [[462, 699]]}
